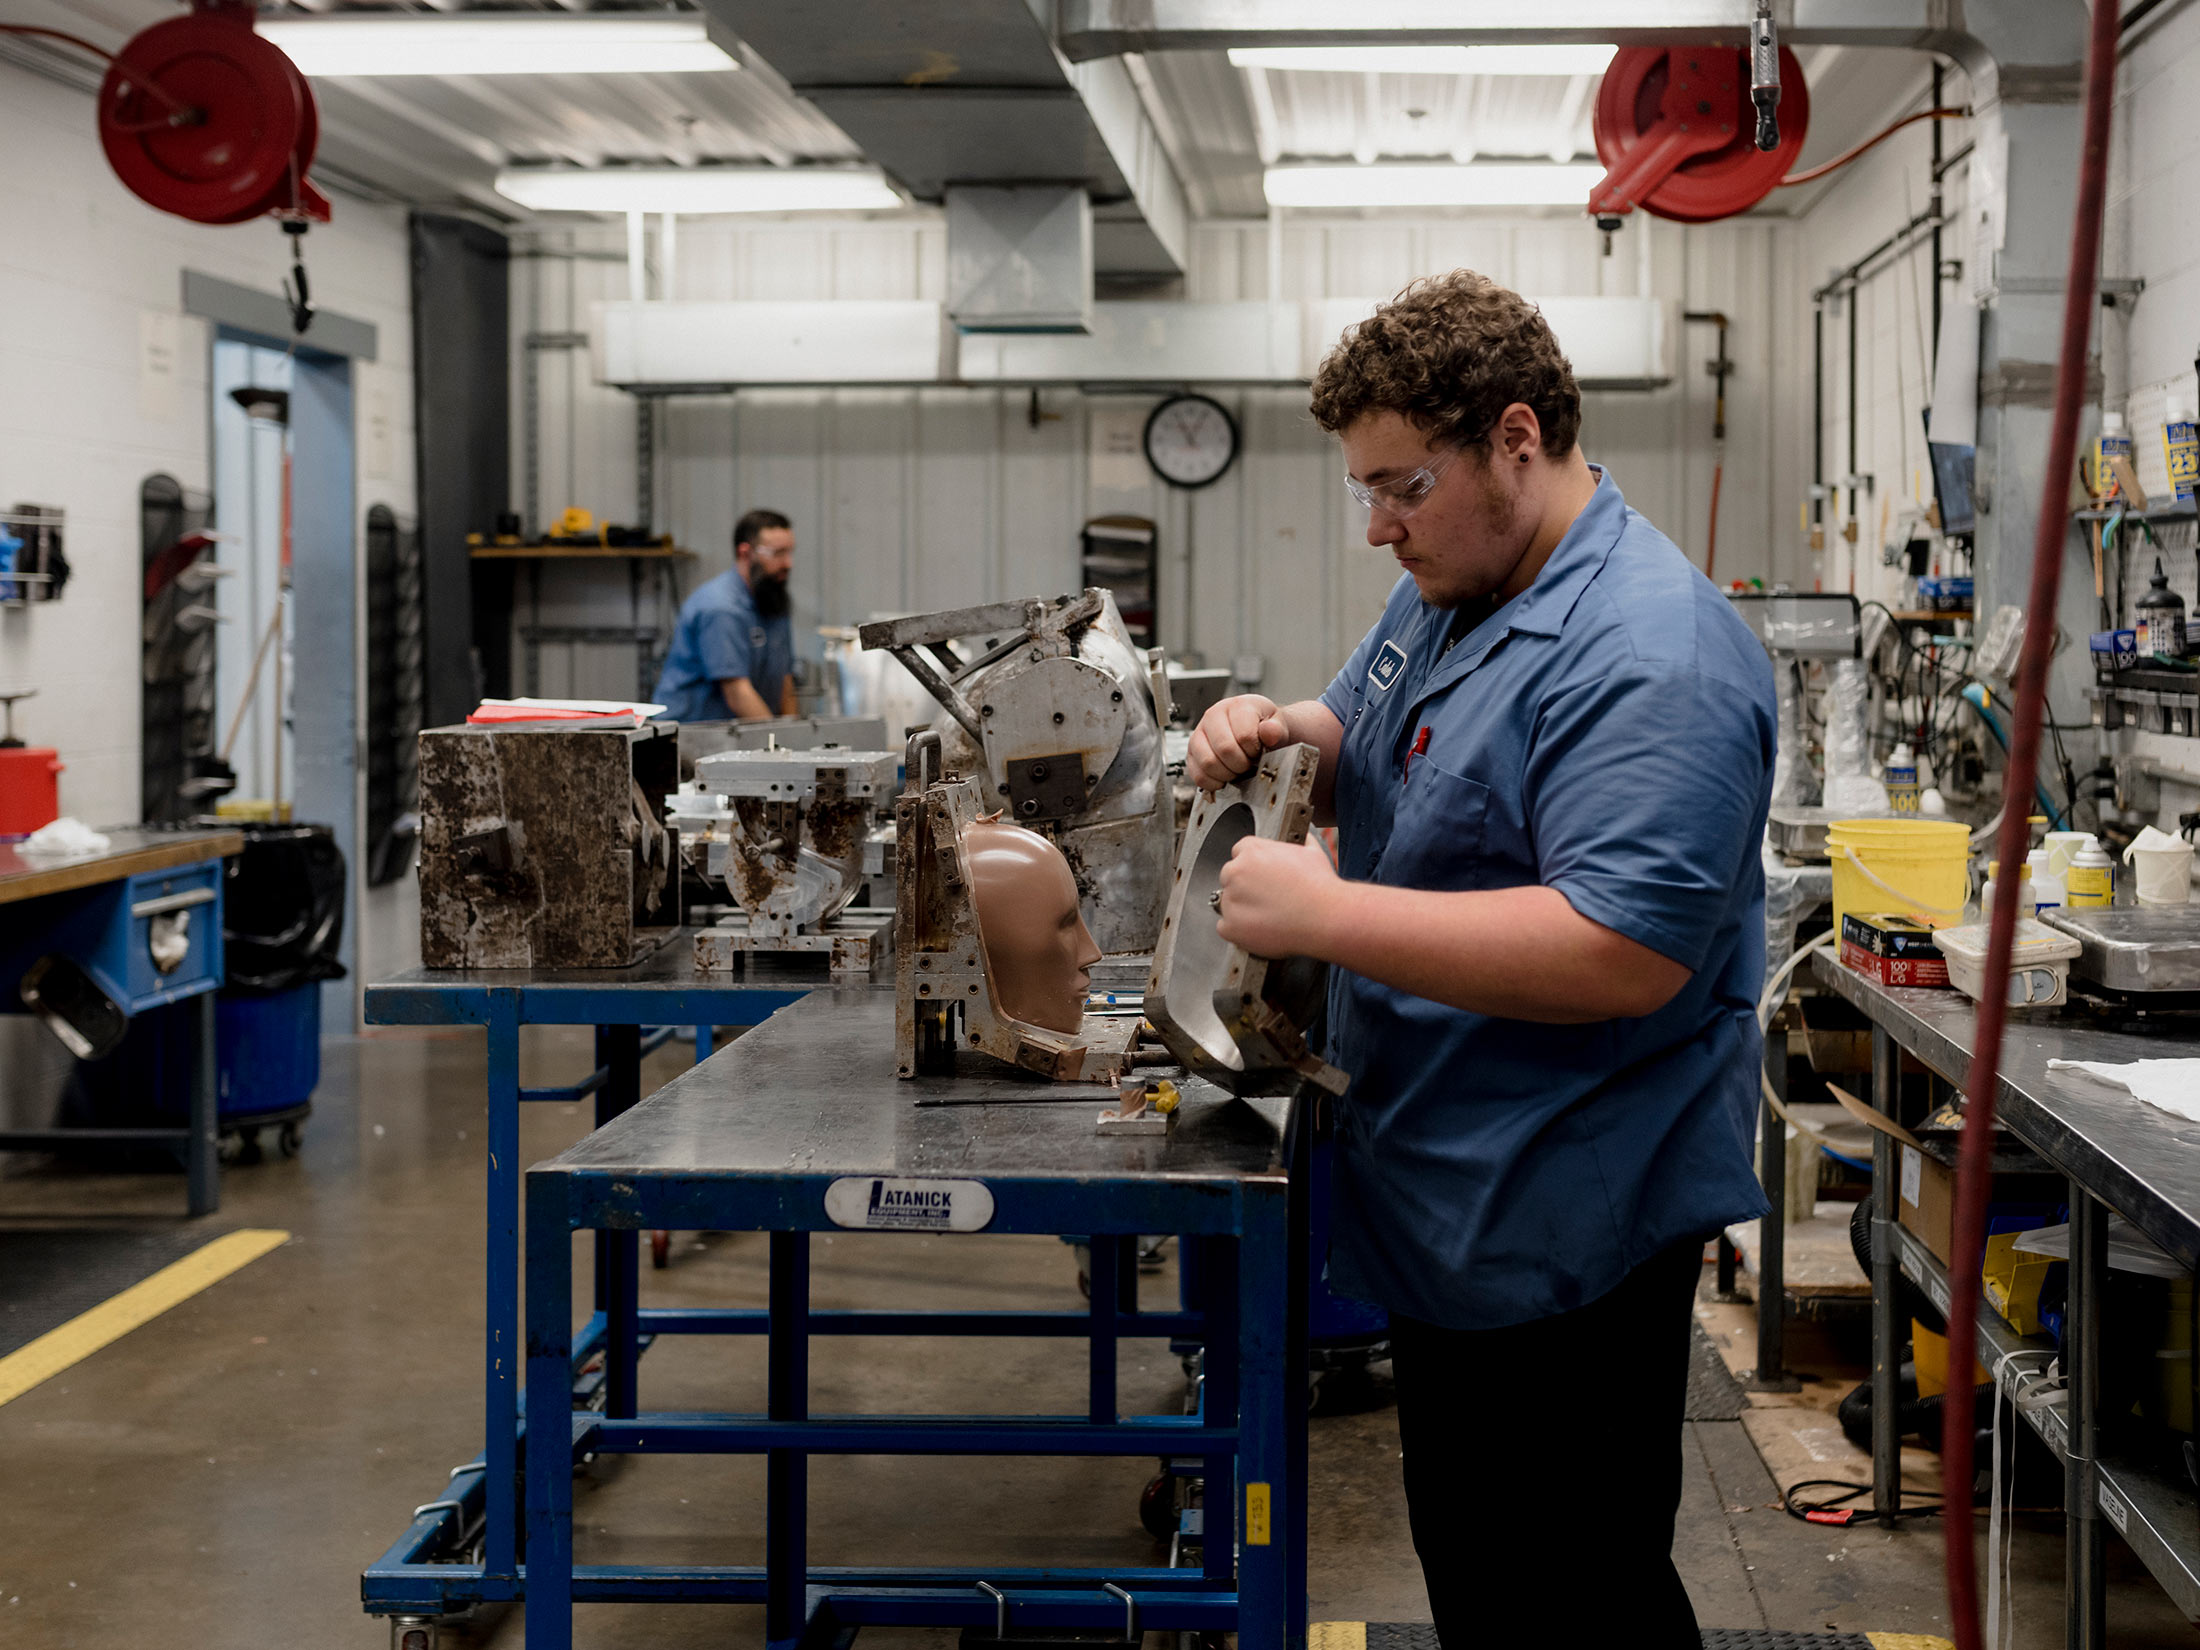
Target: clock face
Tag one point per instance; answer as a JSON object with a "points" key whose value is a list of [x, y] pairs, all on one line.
{"points": [[1190, 440]]}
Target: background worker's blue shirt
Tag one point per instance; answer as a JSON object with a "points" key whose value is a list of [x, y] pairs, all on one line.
{"points": [[1608, 733], [719, 637]]}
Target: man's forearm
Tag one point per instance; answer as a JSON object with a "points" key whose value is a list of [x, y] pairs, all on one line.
{"points": [[743, 700], [1519, 953]]}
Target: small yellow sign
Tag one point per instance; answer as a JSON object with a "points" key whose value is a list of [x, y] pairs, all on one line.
{"points": [[1256, 1515]]}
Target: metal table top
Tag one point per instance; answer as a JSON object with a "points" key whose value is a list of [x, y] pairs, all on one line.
{"points": [[813, 1093], [655, 990], [130, 849], [2143, 1162]]}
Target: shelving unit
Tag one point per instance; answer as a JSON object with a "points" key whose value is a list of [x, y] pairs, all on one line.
{"points": [[648, 639], [2117, 1156], [2157, 1518]]}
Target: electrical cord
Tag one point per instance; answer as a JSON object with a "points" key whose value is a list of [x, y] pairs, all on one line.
{"points": [[1837, 1510]]}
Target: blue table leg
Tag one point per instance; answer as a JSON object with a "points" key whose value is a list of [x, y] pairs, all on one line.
{"points": [[500, 1555], [787, 1471], [549, 1440], [1267, 1409], [618, 1254], [702, 1043], [1219, 1364], [1106, 1263], [202, 1160]]}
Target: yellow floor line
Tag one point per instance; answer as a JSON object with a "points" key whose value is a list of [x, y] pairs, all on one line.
{"points": [[1908, 1641], [112, 1319], [1337, 1635]]}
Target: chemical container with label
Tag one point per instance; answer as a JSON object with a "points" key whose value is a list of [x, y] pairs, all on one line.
{"points": [[2091, 879], [2111, 444], [1901, 779], [2161, 618], [2039, 963], [2181, 448]]}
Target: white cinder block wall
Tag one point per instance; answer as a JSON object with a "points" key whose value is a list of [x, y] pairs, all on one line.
{"points": [[929, 498], [84, 418]]}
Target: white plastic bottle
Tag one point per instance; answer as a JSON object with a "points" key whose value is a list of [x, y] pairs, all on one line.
{"points": [[2047, 888], [1902, 780]]}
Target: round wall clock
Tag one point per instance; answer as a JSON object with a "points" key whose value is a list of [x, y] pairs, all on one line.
{"points": [[1190, 440]]}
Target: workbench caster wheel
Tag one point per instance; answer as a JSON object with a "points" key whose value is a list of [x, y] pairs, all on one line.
{"points": [[287, 1139], [660, 1250], [1157, 1508], [243, 1147], [413, 1633]]}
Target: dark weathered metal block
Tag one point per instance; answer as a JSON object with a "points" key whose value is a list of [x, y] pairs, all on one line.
{"points": [[543, 845]]}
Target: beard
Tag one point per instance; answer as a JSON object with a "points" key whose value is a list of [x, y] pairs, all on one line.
{"points": [[770, 596]]}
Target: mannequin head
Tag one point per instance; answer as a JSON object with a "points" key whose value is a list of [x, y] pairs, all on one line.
{"points": [[1036, 942]]}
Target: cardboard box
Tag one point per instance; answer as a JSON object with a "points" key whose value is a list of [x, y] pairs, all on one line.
{"points": [[1926, 1196], [1892, 950]]}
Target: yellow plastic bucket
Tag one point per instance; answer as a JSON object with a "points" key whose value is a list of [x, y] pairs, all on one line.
{"points": [[1917, 868]]}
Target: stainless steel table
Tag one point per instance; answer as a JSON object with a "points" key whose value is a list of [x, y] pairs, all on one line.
{"points": [[803, 1127], [2118, 1154]]}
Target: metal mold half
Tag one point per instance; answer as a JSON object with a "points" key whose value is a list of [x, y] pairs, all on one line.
{"points": [[1236, 1019]]}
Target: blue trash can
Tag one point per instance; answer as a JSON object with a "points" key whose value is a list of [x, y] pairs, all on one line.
{"points": [[268, 1051]]}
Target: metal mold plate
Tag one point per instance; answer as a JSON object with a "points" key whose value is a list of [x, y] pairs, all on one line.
{"points": [[1230, 1016]]}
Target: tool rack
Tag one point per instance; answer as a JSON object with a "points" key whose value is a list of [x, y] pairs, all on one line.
{"points": [[461, 1547], [822, 1129], [2118, 1154]]}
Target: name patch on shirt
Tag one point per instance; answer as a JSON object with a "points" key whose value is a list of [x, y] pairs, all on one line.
{"points": [[757, 637], [1388, 663]]}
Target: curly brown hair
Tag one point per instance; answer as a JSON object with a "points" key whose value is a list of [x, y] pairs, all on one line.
{"points": [[1450, 353]]}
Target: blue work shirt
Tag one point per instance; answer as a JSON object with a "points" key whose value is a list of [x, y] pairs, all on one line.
{"points": [[1609, 733], [719, 637]]}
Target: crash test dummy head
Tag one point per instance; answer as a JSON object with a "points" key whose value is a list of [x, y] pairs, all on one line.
{"points": [[1036, 942]]}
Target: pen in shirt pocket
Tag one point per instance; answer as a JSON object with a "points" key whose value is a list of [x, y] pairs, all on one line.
{"points": [[1420, 748]]}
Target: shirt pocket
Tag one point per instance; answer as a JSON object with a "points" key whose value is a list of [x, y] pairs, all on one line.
{"points": [[1436, 833]]}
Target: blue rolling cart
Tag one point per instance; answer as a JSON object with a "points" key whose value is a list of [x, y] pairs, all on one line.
{"points": [[461, 1547], [827, 1138]]}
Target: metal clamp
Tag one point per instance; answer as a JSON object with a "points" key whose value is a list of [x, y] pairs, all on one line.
{"points": [[165, 903], [1000, 1607], [427, 1507], [461, 1472], [1130, 1610]]}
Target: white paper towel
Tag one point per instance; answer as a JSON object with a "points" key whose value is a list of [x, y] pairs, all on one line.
{"points": [[2172, 1085]]}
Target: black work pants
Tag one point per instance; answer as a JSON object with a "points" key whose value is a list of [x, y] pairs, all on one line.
{"points": [[1543, 1466]]}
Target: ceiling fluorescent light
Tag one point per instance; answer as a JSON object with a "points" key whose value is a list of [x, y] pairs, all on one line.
{"points": [[1482, 184], [700, 191], [1489, 60], [471, 43]]}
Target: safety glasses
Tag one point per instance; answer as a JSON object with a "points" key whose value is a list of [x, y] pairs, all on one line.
{"points": [[1400, 498]]}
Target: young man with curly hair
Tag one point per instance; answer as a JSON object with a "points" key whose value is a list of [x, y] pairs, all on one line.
{"points": [[1549, 764]]}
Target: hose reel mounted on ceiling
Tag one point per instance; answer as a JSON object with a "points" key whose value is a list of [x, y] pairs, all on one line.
{"points": [[202, 117]]}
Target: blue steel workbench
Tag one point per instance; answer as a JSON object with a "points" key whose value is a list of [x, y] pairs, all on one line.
{"points": [[825, 1136], [433, 1568]]}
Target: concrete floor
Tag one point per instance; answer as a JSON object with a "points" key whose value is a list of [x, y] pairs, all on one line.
{"points": [[221, 1474]]}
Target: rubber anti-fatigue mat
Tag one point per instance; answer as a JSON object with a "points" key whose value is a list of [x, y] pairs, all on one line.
{"points": [[49, 1277], [1419, 1635], [1713, 1393]]}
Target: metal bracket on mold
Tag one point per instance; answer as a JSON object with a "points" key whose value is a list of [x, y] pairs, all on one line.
{"points": [[1233, 1018]]}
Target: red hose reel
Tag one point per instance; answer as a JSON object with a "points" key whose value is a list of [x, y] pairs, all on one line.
{"points": [[1677, 133], [202, 117]]}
